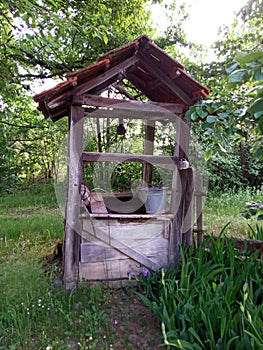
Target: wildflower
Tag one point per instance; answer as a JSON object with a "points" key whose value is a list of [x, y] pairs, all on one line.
{"points": [[129, 275], [145, 273]]}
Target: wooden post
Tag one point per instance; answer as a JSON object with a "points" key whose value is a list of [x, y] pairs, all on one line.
{"points": [[199, 209], [148, 149], [178, 190], [188, 212], [72, 224]]}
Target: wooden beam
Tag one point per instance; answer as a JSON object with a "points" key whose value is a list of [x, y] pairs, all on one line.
{"points": [[148, 149], [109, 240], [165, 162], [161, 75], [199, 208], [134, 106], [178, 190], [72, 222], [115, 113], [188, 209], [108, 74]]}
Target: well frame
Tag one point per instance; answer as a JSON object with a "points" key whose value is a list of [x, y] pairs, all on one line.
{"points": [[170, 91]]}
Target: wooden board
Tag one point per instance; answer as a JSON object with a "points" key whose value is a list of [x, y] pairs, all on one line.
{"points": [[109, 270], [97, 203], [117, 247]]}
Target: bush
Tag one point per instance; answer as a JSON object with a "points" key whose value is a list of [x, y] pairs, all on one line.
{"points": [[212, 301]]}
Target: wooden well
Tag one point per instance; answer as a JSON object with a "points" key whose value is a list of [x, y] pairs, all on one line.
{"points": [[103, 244]]}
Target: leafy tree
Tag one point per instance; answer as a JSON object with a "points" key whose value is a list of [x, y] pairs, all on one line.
{"points": [[230, 124], [47, 39]]}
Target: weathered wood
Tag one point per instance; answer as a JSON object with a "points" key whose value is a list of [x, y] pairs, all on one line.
{"points": [[156, 115], [199, 209], [154, 249], [182, 138], [188, 210], [109, 270], [127, 216], [133, 105], [137, 256], [72, 226], [165, 162], [178, 190], [131, 238], [150, 63], [148, 147], [97, 203], [107, 75]]}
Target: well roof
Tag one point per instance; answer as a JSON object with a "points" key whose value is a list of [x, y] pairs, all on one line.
{"points": [[146, 66]]}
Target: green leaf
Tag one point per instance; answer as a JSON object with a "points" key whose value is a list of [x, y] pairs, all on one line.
{"points": [[201, 112], [194, 116], [259, 153], [231, 67], [211, 119], [257, 74], [260, 124], [208, 155], [257, 108], [240, 75], [244, 58]]}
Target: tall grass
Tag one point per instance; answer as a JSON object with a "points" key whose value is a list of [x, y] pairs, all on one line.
{"points": [[213, 301], [202, 304], [35, 313], [224, 207]]}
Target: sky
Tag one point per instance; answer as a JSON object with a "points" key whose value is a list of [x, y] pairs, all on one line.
{"points": [[206, 16]]}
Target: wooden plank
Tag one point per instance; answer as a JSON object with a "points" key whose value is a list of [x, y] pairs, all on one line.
{"points": [[122, 241], [148, 148], [188, 214], [97, 203], [199, 208], [108, 74], [166, 162], [139, 106], [129, 217], [155, 249], [161, 75], [109, 270], [157, 115], [178, 190], [72, 225]]}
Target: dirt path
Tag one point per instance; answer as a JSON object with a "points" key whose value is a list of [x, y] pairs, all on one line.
{"points": [[133, 324]]}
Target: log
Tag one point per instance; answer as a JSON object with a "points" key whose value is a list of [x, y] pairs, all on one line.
{"points": [[72, 223], [148, 149], [166, 162]]}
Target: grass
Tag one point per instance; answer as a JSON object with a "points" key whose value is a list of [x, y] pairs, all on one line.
{"points": [[36, 313], [223, 208], [213, 300]]}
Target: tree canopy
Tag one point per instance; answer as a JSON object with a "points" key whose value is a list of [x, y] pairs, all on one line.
{"points": [[43, 39]]}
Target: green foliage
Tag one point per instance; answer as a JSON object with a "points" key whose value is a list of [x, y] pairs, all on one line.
{"points": [[253, 209], [33, 316], [35, 312], [49, 39], [212, 301]]}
